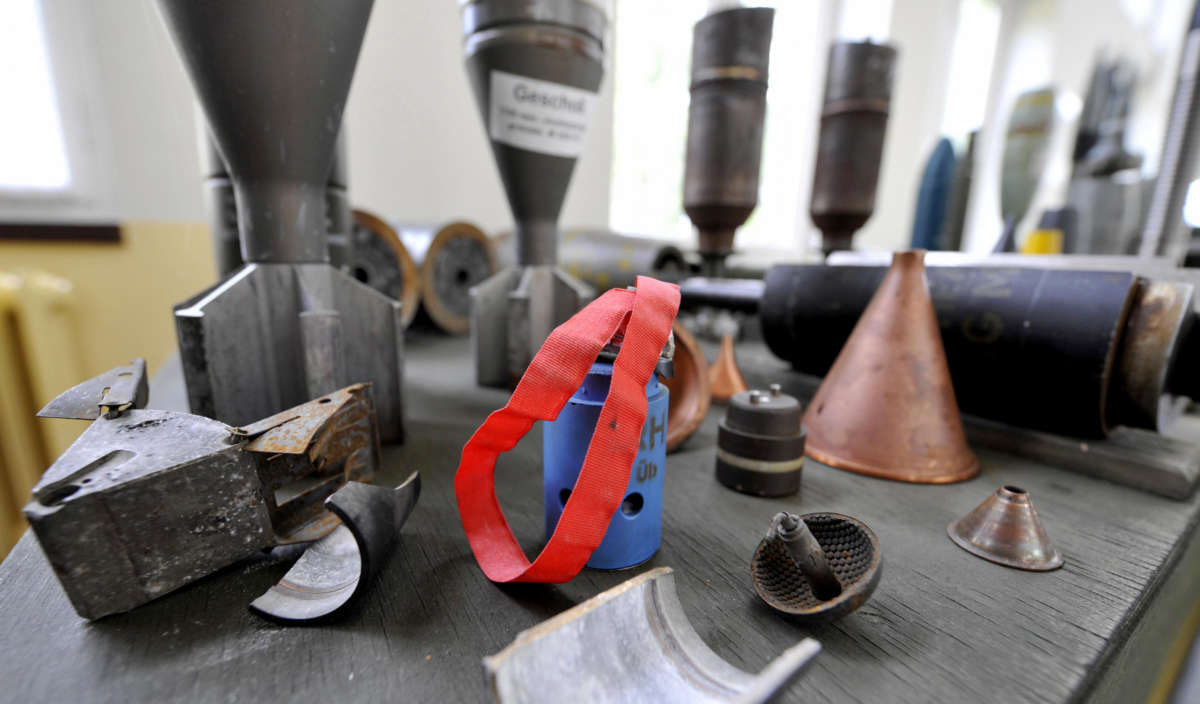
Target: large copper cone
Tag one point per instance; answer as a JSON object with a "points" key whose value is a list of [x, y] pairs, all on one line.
{"points": [[1005, 529], [887, 406]]}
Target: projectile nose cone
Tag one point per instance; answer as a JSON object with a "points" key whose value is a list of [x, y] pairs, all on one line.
{"points": [[272, 77], [887, 406], [1005, 529], [535, 68]]}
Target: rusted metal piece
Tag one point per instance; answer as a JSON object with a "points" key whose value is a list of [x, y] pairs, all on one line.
{"points": [[631, 643], [146, 501], [786, 582], [887, 406], [1005, 529], [108, 395], [336, 570], [806, 552], [760, 443], [730, 56], [854, 116], [379, 259], [690, 391], [724, 376], [1160, 318]]}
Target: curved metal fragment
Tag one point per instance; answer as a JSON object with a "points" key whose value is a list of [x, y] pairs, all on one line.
{"points": [[631, 643], [113, 392], [338, 568]]}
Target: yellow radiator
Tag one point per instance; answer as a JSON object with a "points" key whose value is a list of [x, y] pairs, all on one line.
{"points": [[39, 358]]}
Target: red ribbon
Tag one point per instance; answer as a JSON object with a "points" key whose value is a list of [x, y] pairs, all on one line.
{"points": [[645, 317]]}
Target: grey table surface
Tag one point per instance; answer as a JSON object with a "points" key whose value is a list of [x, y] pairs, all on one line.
{"points": [[942, 626]]}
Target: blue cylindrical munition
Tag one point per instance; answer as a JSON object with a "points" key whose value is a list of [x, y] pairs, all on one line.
{"points": [[635, 531]]}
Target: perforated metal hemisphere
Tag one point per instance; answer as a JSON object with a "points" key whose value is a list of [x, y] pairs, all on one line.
{"points": [[852, 551]]}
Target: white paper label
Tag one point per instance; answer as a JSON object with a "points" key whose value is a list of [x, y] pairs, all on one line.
{"points": [[540, 116]]}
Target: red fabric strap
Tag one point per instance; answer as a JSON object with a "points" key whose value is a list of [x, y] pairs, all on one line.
{"points": [[552, 377]]}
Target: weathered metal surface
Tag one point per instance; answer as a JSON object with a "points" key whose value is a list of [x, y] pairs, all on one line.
{"points": [[109, 394], [453, 258], [784, 582], [380, 260], [688, 383], [1029, 347], [730, 57], [724, 377], [887, 408], [242, 348], [1005, 529], [146, 501], [854, 116], [561, 47], [631, 643], [272, 78], [1160, 318], [760, 443], [336, 570]]}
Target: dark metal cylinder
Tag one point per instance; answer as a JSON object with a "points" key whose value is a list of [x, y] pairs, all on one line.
{"points": [[760, 443], [1030, 347], [854, 116], [730, 54]]}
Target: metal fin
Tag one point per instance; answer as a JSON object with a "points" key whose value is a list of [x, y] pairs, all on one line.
{"points": [[113, 392]]}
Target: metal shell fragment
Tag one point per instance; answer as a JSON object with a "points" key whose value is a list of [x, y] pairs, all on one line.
{"points": [[631, 643]]}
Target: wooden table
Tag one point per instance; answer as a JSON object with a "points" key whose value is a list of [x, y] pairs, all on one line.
{"points": [[943, 625]]}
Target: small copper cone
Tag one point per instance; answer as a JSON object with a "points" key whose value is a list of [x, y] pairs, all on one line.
{"points": [[886, 408], [1006, 530], [690, 390], [724, 376]]}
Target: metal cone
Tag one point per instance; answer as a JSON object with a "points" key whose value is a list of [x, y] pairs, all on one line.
{"points": [[1006, 530], [887, 406]]}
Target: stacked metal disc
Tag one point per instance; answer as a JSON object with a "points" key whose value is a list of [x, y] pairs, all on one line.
{"points": [[760, 443]]}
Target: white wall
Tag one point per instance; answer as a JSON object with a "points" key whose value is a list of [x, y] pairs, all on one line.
{"points": [[923, 33], [417, 146], [1055, 42]]}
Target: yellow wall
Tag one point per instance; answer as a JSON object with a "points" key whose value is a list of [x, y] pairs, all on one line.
{"points": [[123, 295], [125, 291]]}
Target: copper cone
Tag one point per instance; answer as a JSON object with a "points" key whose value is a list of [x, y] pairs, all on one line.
{"points": [[1005, 529], [690, 390], [724, 376], [886, 408]]}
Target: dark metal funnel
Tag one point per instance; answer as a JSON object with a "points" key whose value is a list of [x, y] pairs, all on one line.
{"points": [[854, 116], [730, 54], [272, 77], [535, 66]]}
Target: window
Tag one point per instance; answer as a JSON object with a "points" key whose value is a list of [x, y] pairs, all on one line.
{"points": [[33, 153], [652, 67]]}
